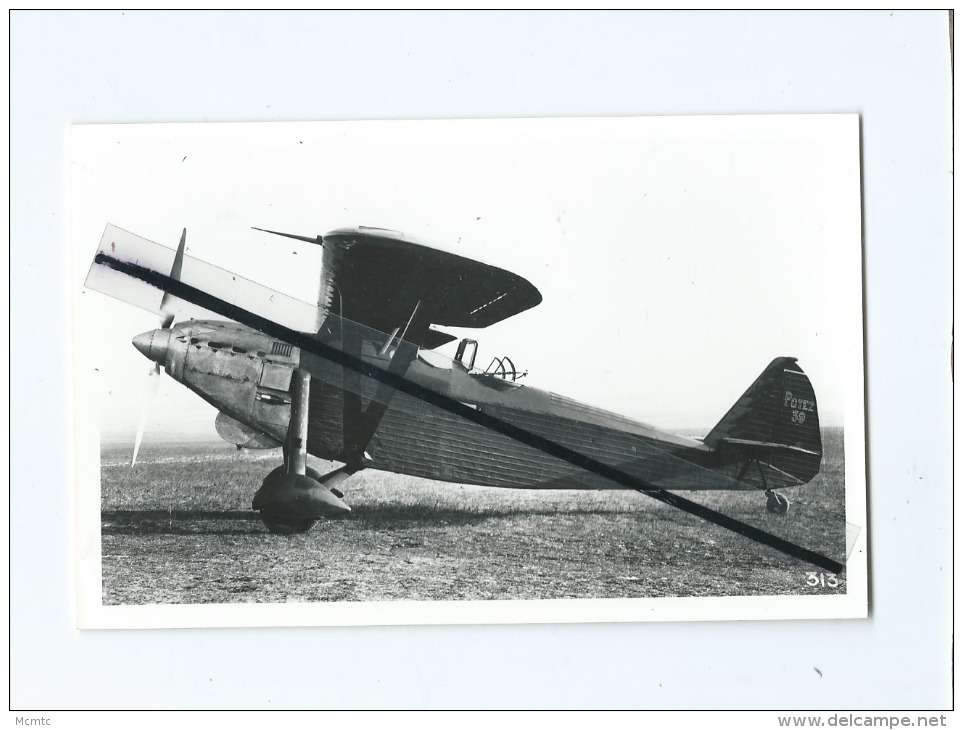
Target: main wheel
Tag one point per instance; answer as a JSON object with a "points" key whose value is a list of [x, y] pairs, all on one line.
{"points": [[281, 526], [776, 504], [286, 525]]}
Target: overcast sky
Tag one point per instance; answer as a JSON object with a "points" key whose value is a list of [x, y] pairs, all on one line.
{"points": [[676, 256]]}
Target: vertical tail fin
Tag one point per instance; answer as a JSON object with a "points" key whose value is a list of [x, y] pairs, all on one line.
{"points": [[774, 424]]}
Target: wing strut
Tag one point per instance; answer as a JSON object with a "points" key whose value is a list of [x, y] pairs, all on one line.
{"points": [[359, 425]]}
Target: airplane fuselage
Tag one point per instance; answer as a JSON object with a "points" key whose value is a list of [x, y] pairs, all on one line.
{"points": [[246, 375], [372, 400]]}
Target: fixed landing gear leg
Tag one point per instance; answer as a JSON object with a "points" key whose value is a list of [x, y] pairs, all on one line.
{"points": [[294, 496]]}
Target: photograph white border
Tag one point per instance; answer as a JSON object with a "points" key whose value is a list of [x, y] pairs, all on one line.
{"points": [[803, 171]]}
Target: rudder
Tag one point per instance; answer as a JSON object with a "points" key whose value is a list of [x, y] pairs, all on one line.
{"points": [[774, 425]]}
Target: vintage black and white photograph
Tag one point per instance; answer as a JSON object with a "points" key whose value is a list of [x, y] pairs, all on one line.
{"points": [[465, 371]]}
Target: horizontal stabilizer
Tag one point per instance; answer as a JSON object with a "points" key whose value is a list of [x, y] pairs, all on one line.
{"points": [[766, 447]]}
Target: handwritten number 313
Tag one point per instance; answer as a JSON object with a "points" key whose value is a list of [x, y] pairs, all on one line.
{"points": [[814, 579]]}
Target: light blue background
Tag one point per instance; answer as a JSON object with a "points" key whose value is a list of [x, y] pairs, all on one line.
{"points": [[891, 67]]}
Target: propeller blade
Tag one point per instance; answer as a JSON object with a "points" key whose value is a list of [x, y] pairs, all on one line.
{"points": [[167, 319], [150, 392]]}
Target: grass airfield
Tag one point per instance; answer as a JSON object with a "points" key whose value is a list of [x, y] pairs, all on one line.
{"points": [[178, 528]]}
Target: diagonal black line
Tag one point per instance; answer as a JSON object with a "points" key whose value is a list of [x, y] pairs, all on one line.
{"points": [[307, 343]]}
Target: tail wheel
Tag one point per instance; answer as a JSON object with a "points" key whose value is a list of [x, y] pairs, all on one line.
{"points": [[776, 504]]}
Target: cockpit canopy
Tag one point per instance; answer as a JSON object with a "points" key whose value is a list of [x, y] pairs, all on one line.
{"points": [[501, 368]]}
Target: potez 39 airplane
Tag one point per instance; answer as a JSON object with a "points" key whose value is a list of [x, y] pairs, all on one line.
{"points": [[356, 381]]}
